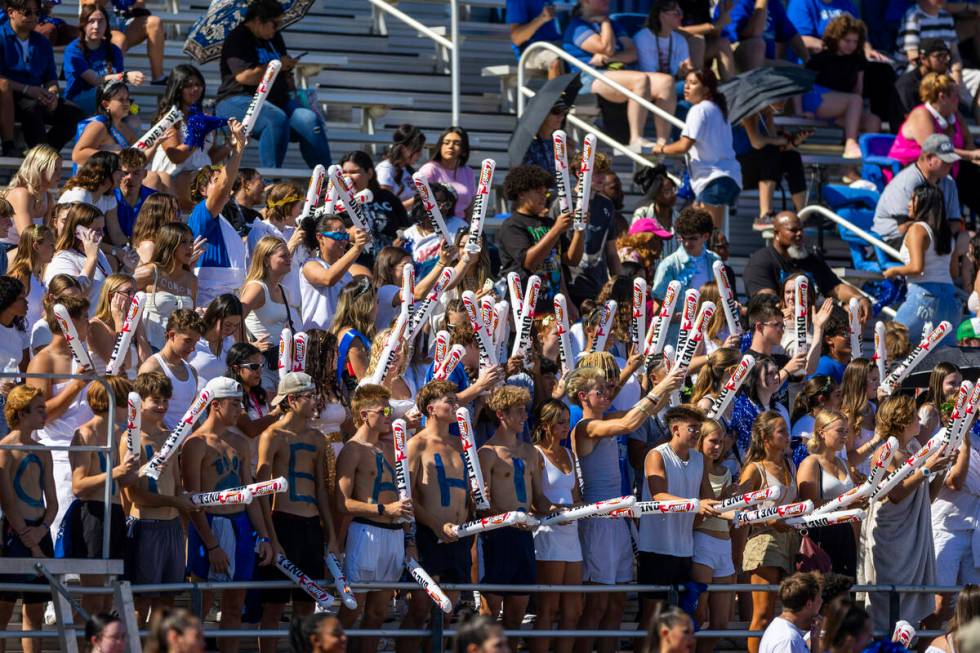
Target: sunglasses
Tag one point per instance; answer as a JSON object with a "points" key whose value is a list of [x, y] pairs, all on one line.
{"points": [[386, 411], [251, 366], [335, 235]]}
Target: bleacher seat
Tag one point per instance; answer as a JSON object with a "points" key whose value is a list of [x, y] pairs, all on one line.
{"points": [[878, 167], [857, 205]]}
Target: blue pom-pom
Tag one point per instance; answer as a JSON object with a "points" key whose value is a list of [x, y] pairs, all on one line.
{"points": [[199, 125]]}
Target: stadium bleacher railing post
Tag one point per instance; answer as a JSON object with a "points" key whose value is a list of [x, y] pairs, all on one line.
{"points": [[436, 624], [450, 46]]}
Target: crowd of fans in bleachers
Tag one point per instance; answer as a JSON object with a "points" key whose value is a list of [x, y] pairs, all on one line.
{"points": [[230, 264]]}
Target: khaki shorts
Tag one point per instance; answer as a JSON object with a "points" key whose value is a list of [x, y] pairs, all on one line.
{"points": [[768, 548]]}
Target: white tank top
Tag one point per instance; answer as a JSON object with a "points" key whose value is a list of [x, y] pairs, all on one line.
{"points": [[331, 418], [673, 535], [935, 267], [268, 320], [183, 394], [320, 302], [557, 485], [61, 430], [832, 487]]}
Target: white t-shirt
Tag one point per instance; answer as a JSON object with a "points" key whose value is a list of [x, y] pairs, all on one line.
{"points": [[403, 188], [783, 637], [13, 342], [425, 247], [712, 155], [651, 49], [386, 312], [70, 262], [320, 302], [105, 203]]}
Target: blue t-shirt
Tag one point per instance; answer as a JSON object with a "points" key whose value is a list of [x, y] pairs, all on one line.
{"points": [[579, 31], [778, 27], [521, 12], [810, 17], [38, 66], [203, 224], [827, 366], [126, 213], [104, 60]]}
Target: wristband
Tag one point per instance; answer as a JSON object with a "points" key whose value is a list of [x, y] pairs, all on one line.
{"points": [[653, 398], [264, 540]]}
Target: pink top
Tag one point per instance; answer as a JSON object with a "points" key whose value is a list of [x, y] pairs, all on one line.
{"points": [[462, 181], [906, 150]]}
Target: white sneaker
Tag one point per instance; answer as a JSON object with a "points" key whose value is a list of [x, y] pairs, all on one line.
{"points": [[49, 616]]}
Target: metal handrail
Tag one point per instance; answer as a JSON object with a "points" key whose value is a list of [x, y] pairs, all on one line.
{"points": [[868, 237], [450, 44], [543, 45]]}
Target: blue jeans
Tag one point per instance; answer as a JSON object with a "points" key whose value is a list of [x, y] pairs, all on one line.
{"points": [[275, 126], [930, 302]]}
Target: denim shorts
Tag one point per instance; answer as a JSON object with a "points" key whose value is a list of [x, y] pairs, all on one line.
{"points": [[721, 191], [930, 302]]}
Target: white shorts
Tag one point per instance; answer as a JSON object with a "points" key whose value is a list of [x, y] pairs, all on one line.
{"points": [[954, 557], [558, 543], [606, 551], [374, 554], [714, 553]]}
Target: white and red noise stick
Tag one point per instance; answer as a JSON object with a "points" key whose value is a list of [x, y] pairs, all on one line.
{"points": [[705, 313], [801, 312], [431, 206], [516, 293], [340, 581], [853, 495], [134, 423], [491, 523], [442, 346], [125, 335], [347, 199], [261, 94], [894, 380], [301, 344], [904, 633], [408, 287], [589, 510], [488, 356], [735, 381], [689, 311], [606, 317], [444, 369], [881, 461], [363, 197], [481, 200], [562, 179], [670, 507], [431, 588], [639, 323], [911, 464], [178, 434], [323, 598], [473, 472], [424, 308], [827, 519], [392, 342], [313, 191], [487, 316], [402, 481], [584, 186], [664, 316], [798, 509], [77, 347], [501, 332], [564, 335], [854, 326], [285, 352], [522, 343], [272, 486], [880, 356], [749, 499], [728, 303], [235, 496], [153, 134]]}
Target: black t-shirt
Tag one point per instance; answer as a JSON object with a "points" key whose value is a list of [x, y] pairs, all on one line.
{"points": [[240, 217], [836, 72], [387, 216], [905, 97], [519, 233], [766, 269], [243, 50], [586, 279]]}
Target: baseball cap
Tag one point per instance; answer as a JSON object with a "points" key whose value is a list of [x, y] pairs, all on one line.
{"points": [[649, 225], [293, 383], [222, 387], [931, 46], [941, 146], [968, 329]]}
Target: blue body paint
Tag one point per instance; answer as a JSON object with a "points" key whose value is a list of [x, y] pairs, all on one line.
{"points": [[19, 490], [102, 468], [153, 487], [231, 477], [519, 487], [379, 485], [446, 484], [294, 476]]}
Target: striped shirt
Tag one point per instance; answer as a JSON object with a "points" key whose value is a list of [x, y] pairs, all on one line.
{"points": [[917, 26]]}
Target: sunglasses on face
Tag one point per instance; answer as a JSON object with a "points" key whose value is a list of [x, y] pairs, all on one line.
{"points": [[386, 411], [336, 235], [251, 366]]}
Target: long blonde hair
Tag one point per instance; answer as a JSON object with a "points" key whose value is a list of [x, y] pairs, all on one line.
{"points": [[168, 240], [378, 344], [39, 164], [854, 392], [715, 372], [355, 308], [157, 210], [103, 311], [709, 293], [602, 361], [265, 248], [822, 418], [25, 263], [763, 428]]}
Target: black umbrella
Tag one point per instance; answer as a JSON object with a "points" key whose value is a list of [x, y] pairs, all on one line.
{"points": [[753, 91], [967, 359], [564, 88]]}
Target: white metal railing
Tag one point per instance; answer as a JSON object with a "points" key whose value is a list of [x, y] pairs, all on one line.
{"points": [[542, 45], [450, 45]]}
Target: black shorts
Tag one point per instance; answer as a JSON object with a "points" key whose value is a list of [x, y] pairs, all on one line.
{"points": [[14, 548], [158, 551], [449, 562], [508, 558], [83, 534], [301, 539], [660, 569]]}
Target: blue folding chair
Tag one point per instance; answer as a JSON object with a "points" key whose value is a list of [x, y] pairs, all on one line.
{"points": [[875, 159], [857, 206]]}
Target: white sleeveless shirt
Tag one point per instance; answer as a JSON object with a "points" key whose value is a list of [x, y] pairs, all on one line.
{"points": [[673, 535]]}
